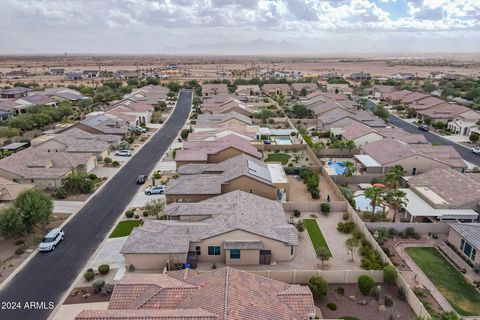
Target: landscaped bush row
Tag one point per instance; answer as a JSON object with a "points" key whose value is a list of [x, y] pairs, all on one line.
{"points": [[311, 179]]}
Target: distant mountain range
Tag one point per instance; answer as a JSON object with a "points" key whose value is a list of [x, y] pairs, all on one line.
{"points": [[252, 47]]}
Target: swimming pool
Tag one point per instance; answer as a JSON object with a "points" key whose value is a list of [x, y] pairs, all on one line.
{"points": [[337, 166], [283, 140], [362, 203]]}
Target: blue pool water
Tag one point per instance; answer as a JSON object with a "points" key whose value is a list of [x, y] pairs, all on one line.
{"points": [[337, 166], [362, 203], [283, 140]]}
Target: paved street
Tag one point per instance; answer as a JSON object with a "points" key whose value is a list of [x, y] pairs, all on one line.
{"points": [[47, 276], [465, 152]]}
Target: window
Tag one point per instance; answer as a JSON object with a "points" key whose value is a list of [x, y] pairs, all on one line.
{"points": [[291, 250], [235, 254], [474, 254], [462, 244], [467, 249], [199, 250], [214, 250], [414, 171], [251, 190]]}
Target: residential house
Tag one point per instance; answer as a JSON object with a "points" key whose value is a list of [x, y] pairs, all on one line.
{"points": [[359, 76], [359, 133], [74, 76], [426, 103], [44, 169], [454, 77], [443, 112], [230, 105], [402, 135], [6, 109], [248, 132], [125, 74], [341, 118], [464, 123], [212, 120], [221, 294], [103, 123], [339, 88], [235, 228], [15, 92], [276, 89], [442, 194], [396, 97], [38, 99], [403, 76], [297, 87], [17, 74], [214, 151], [214, 89], [436, 75], [414, 158], [379, 91], [57, 71], [198, 182], [248, 90], [465, 237], [63, 94], [150, 94], [412, 97], [134, 112], [90, 73], [10, 190]]}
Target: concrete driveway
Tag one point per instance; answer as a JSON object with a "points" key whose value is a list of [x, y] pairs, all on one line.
{"points": [[67, 206], [141, 199]]}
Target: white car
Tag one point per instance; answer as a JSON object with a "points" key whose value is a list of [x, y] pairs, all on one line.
{"points": [[158, 189], [51, 240], [123, 153], [476, 150]]}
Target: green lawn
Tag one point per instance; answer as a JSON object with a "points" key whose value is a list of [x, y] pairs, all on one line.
{"points": [[316, 235], [124, 228], [462, 296], [274, 157]]}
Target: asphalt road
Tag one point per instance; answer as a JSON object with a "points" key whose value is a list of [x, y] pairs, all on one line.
{"points": [[48, 275], [465, 152]]}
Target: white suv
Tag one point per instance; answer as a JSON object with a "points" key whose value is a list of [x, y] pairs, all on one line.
{"points": [[123, 153], [51, 240], [476, 150]]}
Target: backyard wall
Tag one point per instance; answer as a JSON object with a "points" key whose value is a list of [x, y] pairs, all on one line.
{"points": [[335, 206], [439, 227], [337, 153], [366, 178]]}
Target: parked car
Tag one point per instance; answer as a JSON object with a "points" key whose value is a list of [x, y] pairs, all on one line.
{"points": [[158, 189], [267, 142], [141, 179], [476, 150], [51, 240], [138, 129], [123, 153], [423, 127]]}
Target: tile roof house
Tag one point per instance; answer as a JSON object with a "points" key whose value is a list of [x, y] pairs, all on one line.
{"points": [[276, 89], [103, 123], [379, 91], [45, 169], [236, 223], [202, 181], [149, 94], [230, 105], [414, 158], [248, 132], [339, 88], [340, 118], [221, 294], [465, 237], [426, 103], [412, 97], [396, 97], [132, 111], [7, 109], [401, 135], [442, 112], [210, 120], [214, 151], [464, 123], [248, 90], [214, 89], [359, 133], [15, 92], [10, 190], [297, 87]]}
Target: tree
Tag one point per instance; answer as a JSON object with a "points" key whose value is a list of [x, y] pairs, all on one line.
{"points": [[78, 182], [264, 114], [301, 111], [318, 146], [323, 254], [428, 87], [349, 167], [196, 102], [474, 137], [6, 132], [11, 223], [154, 207], [394, 176], [396, 199], [350, 144], [34, 206], [318, 287], [365, 284], [161, 106], [375, 195], [390, 274], [351, 244], [303, 92], [381, 112]]}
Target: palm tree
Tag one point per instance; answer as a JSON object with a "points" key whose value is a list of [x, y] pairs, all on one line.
{"points": [[394, 176], [350, 144], [318, 146], [375, 196], [78, 182], [396, 199], [350, 168]]}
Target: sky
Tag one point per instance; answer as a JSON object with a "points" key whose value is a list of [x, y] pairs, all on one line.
{"points": [[238, 26]]}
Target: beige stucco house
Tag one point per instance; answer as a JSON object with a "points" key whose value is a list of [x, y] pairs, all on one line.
{"points": [[465, 237]]}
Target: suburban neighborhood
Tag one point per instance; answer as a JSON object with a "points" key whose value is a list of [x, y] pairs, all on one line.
{"points": [[239, 186]]}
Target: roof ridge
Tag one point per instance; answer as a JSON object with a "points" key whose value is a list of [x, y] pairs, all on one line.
{"points": [[225, 305]]}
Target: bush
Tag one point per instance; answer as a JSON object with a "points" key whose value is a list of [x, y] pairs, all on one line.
{"points": [[115, 163], [103, 269], [137, 216], [401, 294], [145, 213], [131, 268], [410, 233], [332, 306], [19, 251], [390, 274], [325, 208], [97, 285], [19, 242], [318, 287], [340, 291], [346, 216], [60, 193], [296, 213], [346, 227], [89, 276], [300, 225], [129, 214], [157, 175], [365, 284], [93, 176], [184, 134], [107, 160]]}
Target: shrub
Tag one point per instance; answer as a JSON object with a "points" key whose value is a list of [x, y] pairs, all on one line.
{"points": [[19, 251], [115, 163], [325, 208], [131, 268], [346, 227], [346, 216], [184, 134], [365, 284], [145, 213], [89, 276], [300, 225], [60, 193], [129, 214], [19, 242], [340, 291], [157, 175], [103, 269], [332, 306], [390, 274], [93, 176], [318, 287], [107, 160], [137, 216], [296, 213], [97, 285], [106, 289], [401, 294], [410, 232]]}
